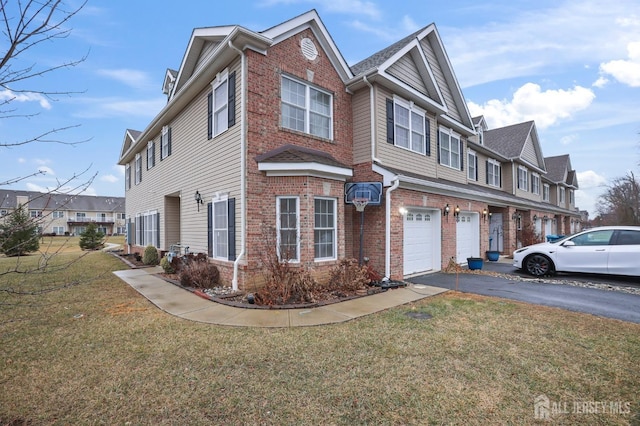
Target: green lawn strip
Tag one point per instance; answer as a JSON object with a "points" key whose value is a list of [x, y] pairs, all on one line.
{"points": [[98, 352]]}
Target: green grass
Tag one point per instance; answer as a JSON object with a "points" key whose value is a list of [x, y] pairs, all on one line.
{"points": [[97, 352]]}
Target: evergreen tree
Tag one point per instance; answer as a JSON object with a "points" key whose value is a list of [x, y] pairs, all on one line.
{"points": [[19, 234], [91, 238]]}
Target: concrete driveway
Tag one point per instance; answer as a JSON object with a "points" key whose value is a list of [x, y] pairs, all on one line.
{"points": [[604, 303]]}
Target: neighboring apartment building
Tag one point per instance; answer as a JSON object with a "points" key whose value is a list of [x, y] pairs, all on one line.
{"points": [[63, 214], [262, 130]]}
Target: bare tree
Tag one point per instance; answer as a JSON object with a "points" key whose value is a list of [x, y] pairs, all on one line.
{"points": [[620, 204]]}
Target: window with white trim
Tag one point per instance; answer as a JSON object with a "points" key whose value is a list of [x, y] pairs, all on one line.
{"points": [[561, 198], [493, 173], [147, 225], [472, 165], [220, 103], [138, 166], [535, 183], [58, 214], [409, 126], [306, 108], [288, 228], [151, 155], [81, 216], [35, 213], [523, 178], [220, 224], [127, 176], [449, 148], [571, 197], [324, 228], [58, 230], [545, 192], [165, 142]]}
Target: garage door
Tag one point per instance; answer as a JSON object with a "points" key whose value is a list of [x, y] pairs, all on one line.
{"points": [[467, 237], [419, 235]]}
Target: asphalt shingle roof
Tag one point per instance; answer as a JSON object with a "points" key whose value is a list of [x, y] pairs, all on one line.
{"points": [[509, 140], [298, 154], [51, 202]]}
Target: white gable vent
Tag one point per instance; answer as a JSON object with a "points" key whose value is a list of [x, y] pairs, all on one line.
{"points": [[309, 49]]}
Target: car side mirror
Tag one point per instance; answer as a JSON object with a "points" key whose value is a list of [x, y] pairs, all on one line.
{"points": [[568, 244]]}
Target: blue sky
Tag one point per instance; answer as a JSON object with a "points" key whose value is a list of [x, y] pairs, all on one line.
{"points": [[572, 66]]}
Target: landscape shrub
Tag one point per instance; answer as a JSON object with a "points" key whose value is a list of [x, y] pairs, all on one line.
{"points": [[91, 238], [348, 276], [150, 256], [198, 274], [166, 266]]}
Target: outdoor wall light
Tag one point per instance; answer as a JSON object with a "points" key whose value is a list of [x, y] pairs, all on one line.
{"points": [[535, 217], [516, 216], [544, 217], [484, 214], [198, 199], [402, 211], [456, 213], [445, 212]]}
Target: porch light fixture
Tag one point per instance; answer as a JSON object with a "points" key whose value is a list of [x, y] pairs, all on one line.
{"points": [[535, 217], [456, 213], [484, 214], [402, 210], [445, 211], [198, 199], [544, 217], [516, 216]]}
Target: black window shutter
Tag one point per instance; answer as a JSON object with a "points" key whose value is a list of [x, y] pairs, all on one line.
{"points": [[157, 244], [389, 120], [169, 136], [475, 162], [231, 227], [461, 155], [487, 175], [210, 229], [130, 231], [500, 174], [231, 106], [439, 148], [427, 136], [153, 152], [210, 115], [129, 177]]}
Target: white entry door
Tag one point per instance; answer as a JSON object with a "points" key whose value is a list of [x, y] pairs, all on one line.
{"points": [[421, 241]]}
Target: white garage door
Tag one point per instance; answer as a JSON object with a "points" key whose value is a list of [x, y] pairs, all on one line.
{"points": [[467, 237], [419, 235]]}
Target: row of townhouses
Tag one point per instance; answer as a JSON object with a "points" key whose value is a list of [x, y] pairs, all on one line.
{"points": [[263, 131], [63, 214]]}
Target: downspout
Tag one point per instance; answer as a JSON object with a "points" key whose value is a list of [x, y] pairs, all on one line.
{"points": [[372, 121], [387, 242], [243, 167]]}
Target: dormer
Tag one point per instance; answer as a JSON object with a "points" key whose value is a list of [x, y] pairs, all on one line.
{"points": [[169, 81], [480, 125]]}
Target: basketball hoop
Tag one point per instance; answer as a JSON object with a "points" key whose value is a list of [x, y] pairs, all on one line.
{"points": [[360, 203]]}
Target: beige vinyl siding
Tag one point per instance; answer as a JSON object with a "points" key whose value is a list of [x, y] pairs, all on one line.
{"points": [[361, 126], [405, 70], [171, 221], [206, 52], [448, 173], [507, 177], [195, 164], [529, 152], [440, 79], [394, 156]]}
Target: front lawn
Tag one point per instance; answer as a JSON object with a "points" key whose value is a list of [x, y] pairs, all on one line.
{"points": [[97, 352]]}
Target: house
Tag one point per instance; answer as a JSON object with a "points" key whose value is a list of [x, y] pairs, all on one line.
{"points": [[66, 214], [264, 132]]}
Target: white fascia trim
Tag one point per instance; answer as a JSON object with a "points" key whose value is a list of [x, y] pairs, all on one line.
{"points": [[457, 125], [439, 108], [305, 169]]}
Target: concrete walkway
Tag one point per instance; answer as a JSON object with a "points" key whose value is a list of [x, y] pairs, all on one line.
{"points": [[184, 304]]}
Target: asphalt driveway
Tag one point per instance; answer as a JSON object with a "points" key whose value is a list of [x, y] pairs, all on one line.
{"points": [[604, 303]]}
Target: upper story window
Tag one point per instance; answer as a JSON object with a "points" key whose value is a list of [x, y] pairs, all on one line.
{"points": [[409, 126], [571, 197], [523, 178], [472, 165], [494, 177], [561, 198], [35, 213], [127, 176], [221, 104], [306, 108], [58, 214], [138, 168], [450, 148], [165, 142], [545, 192], [151, 155], [535, 183], [480, 135]]}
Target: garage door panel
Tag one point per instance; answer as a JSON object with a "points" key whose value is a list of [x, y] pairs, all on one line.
{"points": [[419, 231]]}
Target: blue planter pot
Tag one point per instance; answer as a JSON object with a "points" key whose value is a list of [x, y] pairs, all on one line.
{"points": [[474, 263], [493, 255]]}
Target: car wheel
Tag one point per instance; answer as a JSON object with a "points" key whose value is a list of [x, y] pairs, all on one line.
{"points": [[538, 265]]}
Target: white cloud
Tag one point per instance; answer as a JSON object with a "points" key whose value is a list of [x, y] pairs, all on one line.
{"points": [[529, 102], [109, 178], [601, 82], [625, 71], [566, 140], [113, 107], [389, 34], [7, 95], [134, 78], [63, 190], [22, 160], [590, 179], [119, 169]]}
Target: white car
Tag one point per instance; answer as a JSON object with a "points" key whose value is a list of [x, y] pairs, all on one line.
{"points": [[605, 250]]}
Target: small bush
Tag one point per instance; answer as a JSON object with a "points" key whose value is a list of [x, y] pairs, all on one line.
{"points": [[91, 238], [349, 276], [166, 266], [150, 256], [198, 274]]}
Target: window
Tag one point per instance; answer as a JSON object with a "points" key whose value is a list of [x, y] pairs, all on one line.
{"points": [[220, 229], [287, 228], [138, 166], [324, 228], [57, 214], [147, 229], [165, 142], [127, 176], [120, 216], [450, 148], [523, 181], [80, 216], [493, 173], [410, 130], [535, 183], [151, 155], [561, 195], [58, 230], [571, 195], [595, 238], [306, 109], [221, 104], [472, 165], [627, 237], [545, 192], [35, 213], [4, 212]]}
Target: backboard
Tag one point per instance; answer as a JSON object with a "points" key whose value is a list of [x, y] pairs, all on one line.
{"points": [[369, 190]]}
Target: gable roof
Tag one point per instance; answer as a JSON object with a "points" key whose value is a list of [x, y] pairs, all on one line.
{"points": [[559, 170], [510, 141], [130, 138], [434, 86]]}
